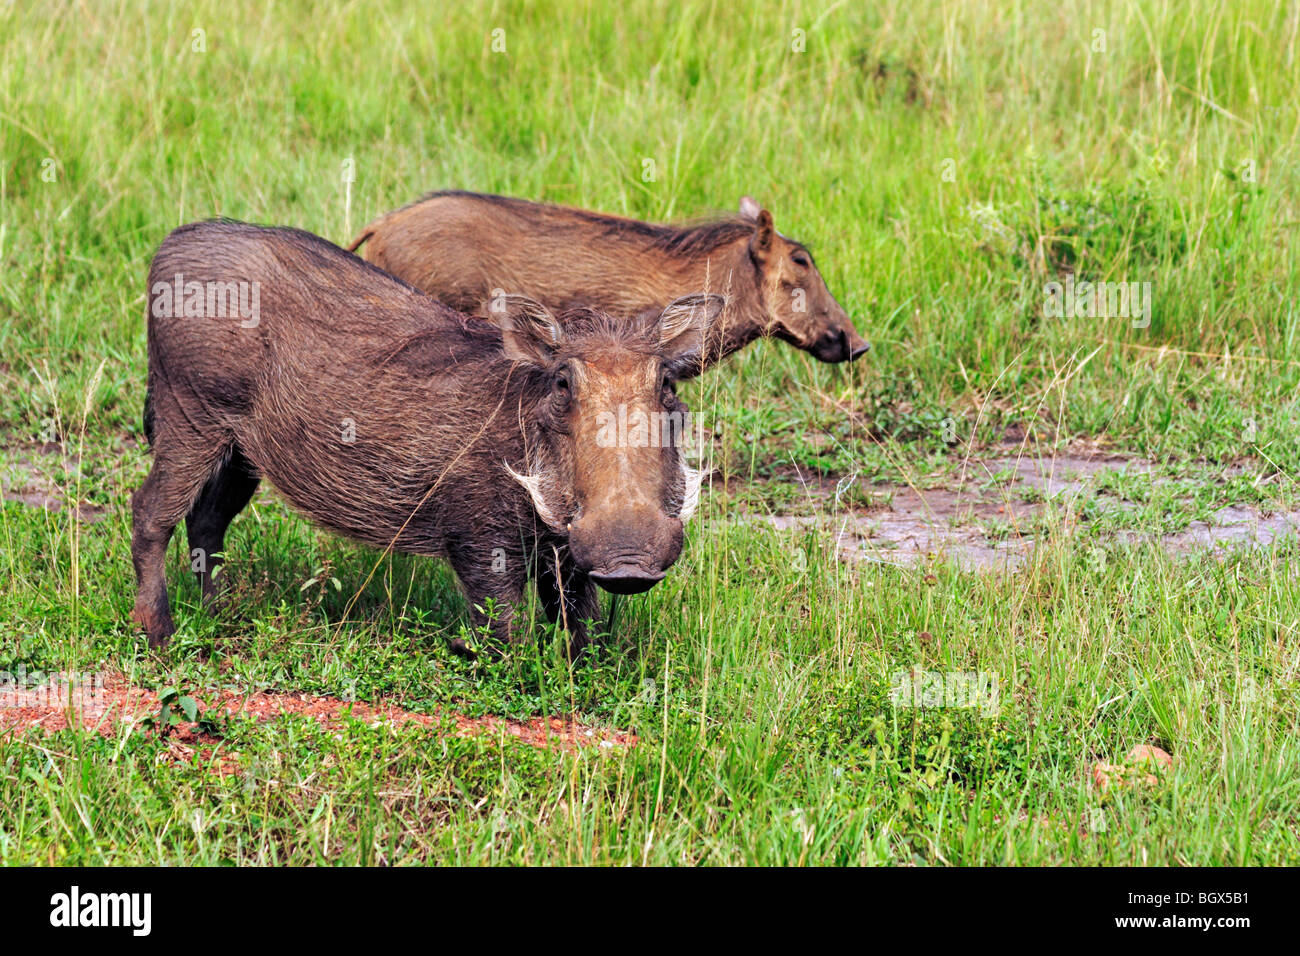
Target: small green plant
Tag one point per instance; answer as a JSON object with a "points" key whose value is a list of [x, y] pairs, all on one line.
{"points": [[175, 708], [902, 409]]}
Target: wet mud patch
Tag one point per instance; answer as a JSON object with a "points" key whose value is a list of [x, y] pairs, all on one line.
{"points": [[994, 511], [106, 703], [26, 477]]}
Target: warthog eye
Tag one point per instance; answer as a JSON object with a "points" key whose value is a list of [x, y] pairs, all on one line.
{"points": [[561, 394]]}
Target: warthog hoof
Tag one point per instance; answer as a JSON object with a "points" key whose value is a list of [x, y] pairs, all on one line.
{"points": [[158, 627]]}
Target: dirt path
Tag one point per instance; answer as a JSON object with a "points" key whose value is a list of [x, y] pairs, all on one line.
{"points": [[110, 702]]}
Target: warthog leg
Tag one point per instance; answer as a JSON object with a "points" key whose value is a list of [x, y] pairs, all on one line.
{"points": [[226, 493], [497, 573], [568, 596], [156, 509], [184, 458]]}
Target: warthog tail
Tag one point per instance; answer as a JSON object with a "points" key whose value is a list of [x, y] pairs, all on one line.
{"points": [[360, 240]]}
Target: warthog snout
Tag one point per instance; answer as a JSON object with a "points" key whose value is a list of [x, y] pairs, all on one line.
{"points": [[626, 553], [840, 343]]}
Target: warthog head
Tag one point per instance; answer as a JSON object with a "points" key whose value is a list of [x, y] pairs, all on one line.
{"points": [[605, 464], [800, 309]]}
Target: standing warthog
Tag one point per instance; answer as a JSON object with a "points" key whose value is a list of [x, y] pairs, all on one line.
{"points": [[459, 247], [387, 417]]}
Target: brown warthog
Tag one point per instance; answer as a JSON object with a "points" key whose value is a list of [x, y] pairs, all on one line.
{"points": [[460, 247], [387, 417]]}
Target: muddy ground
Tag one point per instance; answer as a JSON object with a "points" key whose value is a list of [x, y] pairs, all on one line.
{"points": [[985, 517], [989, 516]]}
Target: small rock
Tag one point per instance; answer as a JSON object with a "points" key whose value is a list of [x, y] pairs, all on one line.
{"points": [[1141, 760], [1104, 774], [1145, 753]]}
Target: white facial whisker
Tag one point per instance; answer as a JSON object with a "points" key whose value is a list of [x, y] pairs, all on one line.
{"points": [[533, 485], [691, 497]]}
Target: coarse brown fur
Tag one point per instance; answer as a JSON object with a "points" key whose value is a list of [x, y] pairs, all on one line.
{"points": [[462, 247], [389, 418]]}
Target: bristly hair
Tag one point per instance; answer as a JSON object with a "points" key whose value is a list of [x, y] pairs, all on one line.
{"points": [[688, 239], [583, 321], [324, 252], [431, 350]]}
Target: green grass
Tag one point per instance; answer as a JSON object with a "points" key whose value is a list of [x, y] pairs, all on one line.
{"points": [[758, 676]]}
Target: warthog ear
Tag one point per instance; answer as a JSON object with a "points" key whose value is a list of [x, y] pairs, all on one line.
{"points": [[749, 209], [683, 325], [760, 243], [530, 333]]}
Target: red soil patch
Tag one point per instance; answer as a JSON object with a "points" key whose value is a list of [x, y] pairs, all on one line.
{"points": [[111, 700]]}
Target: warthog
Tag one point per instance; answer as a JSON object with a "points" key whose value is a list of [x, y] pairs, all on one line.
{"points": [[385, 416], [460, 247]]}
